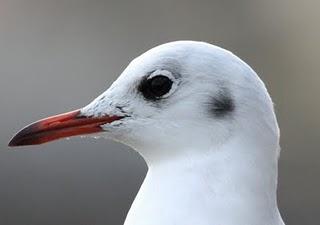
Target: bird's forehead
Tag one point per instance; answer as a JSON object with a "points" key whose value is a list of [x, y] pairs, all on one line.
{"points": [[179, 56], [152, 60], [172, 55], [147, 66]]}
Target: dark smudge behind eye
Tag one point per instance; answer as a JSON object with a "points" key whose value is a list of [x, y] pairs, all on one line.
{"points": [[222, 104]]}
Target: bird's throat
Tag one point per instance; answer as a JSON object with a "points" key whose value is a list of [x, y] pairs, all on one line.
{"points": [[222, 188]]}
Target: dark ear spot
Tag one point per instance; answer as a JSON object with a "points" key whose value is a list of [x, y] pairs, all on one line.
{"points": [[222, 104]]}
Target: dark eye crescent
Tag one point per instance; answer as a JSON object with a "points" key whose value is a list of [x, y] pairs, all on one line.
{"points": [[155, 87]]}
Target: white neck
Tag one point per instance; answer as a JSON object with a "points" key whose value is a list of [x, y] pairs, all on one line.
{"points": [[228, 186]]}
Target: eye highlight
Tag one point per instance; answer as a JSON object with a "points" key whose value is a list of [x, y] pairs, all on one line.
{"points": [[156, 87]]}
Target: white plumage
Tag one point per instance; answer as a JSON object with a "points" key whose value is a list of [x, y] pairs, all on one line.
{"points": [[203, 121], [204, 168]]}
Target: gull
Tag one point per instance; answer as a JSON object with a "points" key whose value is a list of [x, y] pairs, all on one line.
{"points": [[204, 123]]}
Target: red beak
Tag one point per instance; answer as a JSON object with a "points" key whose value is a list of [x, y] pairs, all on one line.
{"points": [[60, 126]]}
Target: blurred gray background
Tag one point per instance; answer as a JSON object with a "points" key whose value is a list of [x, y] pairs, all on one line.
{"points": [[58, 55]]}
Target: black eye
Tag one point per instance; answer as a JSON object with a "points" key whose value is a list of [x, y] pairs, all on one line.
{"points": [[155, 87]]}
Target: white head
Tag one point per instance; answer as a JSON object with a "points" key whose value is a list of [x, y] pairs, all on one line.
{"points": [[182, 95], [202, 111]]}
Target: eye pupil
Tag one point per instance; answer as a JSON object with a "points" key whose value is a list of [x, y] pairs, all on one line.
{"points": [[155, 87], [160, 85]]}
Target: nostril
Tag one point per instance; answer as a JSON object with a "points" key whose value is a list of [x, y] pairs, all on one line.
{"points": [[80, 116], [121, 109]]}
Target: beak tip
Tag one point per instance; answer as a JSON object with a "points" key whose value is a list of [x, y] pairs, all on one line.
{"points": [[12, 144], [21, 138], [24, 137], [16, 141]]}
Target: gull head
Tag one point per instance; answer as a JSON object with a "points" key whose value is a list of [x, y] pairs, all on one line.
{"points": [[177, 98]]}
